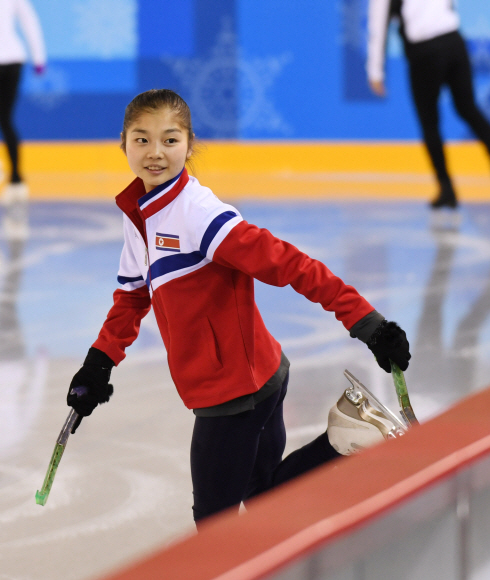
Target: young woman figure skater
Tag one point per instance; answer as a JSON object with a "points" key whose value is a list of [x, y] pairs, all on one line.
{"points": [[193, 259], [12, 58]]}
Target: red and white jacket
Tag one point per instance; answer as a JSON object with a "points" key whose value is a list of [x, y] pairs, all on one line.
{"points": [[194, 259]]}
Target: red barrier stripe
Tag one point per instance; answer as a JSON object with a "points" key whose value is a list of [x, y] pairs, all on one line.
{"points": [[318, 533], [311, 511]]}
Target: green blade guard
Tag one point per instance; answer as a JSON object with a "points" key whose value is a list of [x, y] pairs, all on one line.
{"points": [[402, 394], [42, 496]]}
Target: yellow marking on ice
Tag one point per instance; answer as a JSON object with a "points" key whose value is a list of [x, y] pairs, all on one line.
{"points": [[234, 170]]}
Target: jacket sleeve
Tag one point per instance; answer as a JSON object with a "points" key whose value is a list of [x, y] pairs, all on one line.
{"points": [[378, 22], [259, 254], [31, 28], [132, 303]]}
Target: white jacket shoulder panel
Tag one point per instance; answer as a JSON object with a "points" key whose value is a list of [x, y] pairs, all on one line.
{"points": [[183, 235], [212, 218]]}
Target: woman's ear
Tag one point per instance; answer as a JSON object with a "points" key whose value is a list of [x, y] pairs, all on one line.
{"points": [[190, 148], [123, 142]]}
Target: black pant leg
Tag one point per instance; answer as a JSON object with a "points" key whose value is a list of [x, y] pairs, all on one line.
{"points": [[272, 442], [311, 455], [234, 458], [427, 70], [460, 82], [9, 82], [270, 470], [224, 452]]}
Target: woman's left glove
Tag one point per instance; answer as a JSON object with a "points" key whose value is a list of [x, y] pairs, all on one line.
{"points": [[90, 385], [389, 341]]}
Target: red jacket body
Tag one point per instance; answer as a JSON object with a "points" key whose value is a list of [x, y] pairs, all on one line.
{"points": [[194, 259]]}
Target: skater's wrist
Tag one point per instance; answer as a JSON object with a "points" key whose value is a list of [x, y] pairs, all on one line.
{"points": [[99, 358], [363, 329]]}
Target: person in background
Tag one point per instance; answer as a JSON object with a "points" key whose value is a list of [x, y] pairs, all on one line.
{"points": [[16, 14], [437, 56]]}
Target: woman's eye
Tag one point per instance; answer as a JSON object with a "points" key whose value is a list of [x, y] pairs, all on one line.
{"points": [[141, 140], [171, 140]]}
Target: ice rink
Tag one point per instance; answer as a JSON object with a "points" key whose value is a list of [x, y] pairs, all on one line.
{"points": [[123, 487]]}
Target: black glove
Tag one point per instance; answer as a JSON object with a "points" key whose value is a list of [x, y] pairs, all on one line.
{"points": [[387, 342], [90, 386]]}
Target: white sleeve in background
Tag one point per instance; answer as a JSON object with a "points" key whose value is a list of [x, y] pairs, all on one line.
{"points": [[31, 28], [378, 22]]}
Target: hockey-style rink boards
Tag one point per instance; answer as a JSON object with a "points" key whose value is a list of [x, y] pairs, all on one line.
{"points": [[123, 487]]}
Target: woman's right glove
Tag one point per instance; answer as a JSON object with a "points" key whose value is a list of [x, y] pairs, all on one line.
{"points": [[90, 385], [386, 340], [389, 342]]}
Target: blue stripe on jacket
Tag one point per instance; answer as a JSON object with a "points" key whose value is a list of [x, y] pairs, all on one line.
{"points": [[173, 263], [213, 228], [126, 280]]}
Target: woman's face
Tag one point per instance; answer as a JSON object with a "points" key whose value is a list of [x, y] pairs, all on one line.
{"points": [[157, 147]]}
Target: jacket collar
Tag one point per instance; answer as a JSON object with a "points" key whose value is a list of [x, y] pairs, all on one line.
{"points": [[139, 205], [161, 189]]}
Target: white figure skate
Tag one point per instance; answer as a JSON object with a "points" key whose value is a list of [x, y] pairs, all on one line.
{"points": [[359, 420]]}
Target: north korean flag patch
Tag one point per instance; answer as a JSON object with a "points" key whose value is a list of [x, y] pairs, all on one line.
{"points": [[167, 242]]}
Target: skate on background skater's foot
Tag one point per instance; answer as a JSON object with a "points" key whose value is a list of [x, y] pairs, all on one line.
{"points": [[446, 198]]}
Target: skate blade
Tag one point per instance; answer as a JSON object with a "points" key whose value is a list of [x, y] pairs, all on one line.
{"points": [[375, 402]]}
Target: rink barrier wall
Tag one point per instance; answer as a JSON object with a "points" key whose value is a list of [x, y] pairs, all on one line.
{"points": [[251, 169], [309, 513]]}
